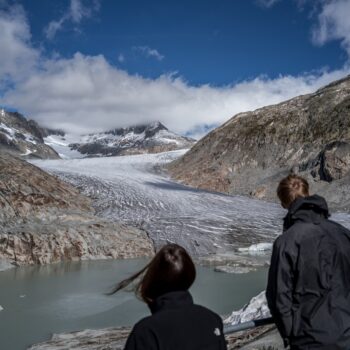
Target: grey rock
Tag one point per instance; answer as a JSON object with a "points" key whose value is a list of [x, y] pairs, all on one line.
{"points": [[231, 261], [234, 269], [252, 151], [100, 339], [335, 161], [269, 341]]}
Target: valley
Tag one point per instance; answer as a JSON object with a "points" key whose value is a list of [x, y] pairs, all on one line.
{"points": [[135, 191]]}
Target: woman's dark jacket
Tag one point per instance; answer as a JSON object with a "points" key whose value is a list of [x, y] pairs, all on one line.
{"points": [[308, 289], [177, 324]]}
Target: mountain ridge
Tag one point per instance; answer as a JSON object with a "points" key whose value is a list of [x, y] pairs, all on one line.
{"points": [[140, 139], [251, 152], [23, 137], [26, 138]]}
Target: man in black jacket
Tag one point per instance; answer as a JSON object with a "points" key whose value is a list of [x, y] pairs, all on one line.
{"points": [[308, 290]]}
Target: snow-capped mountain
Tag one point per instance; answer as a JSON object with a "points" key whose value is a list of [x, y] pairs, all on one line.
{"points": [[150, 138], [24, 137]]}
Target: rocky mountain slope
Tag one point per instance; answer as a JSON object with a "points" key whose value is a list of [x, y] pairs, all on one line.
{"points": [[250, 153], [150, 138], [24, 137], [44, 220]]}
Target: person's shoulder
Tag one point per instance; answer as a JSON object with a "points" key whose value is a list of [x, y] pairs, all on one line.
{"points": [[205, 312], [143, 324], [285, 238], [289, 240], [334, 227], [298, 232]]}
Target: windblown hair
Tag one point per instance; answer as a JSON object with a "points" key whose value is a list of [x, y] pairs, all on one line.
{"points": [[291, 188], [171, 269]]}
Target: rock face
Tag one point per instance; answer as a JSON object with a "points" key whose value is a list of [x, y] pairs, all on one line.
{"points": [[44, 220], [334, 161], [251, 152], [151, 138], [24, 137]]}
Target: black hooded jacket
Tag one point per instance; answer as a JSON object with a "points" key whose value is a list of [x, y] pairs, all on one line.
{"points": [[308, 290], [177, 324]]}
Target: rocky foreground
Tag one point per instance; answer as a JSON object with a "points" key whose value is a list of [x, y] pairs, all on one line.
{"points": [[115, 338], [250, 153], [44, 220]]}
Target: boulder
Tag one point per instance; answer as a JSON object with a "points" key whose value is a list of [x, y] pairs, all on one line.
{"points": [[335, 161]]}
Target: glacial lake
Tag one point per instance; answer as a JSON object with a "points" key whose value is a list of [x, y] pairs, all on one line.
{"points": [[42, 300]]}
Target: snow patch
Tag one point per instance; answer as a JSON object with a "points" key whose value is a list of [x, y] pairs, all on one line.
{"points": [[257, 308], [234, 269], [26, 153], [257, 248], [9, 132], [61, 145], [30, 138]]}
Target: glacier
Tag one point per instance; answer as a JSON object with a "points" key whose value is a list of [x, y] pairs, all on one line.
{"points": [[136, 190]]}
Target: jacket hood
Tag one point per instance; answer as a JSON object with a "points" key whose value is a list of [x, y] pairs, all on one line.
{"points": [[307, 209], [172, 300]]}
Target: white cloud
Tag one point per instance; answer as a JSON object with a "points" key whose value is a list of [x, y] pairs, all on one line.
{"points": [[86, 93], [267, 3], [75, 13], [17, 57], [148, 52], [334, 23]]}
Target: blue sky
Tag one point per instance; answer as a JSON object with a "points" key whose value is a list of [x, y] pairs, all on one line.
{"points": [[206, 41], [95, 64]]}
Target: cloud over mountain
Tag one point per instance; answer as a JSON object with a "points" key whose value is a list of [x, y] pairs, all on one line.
{"points": [[87, 93]]}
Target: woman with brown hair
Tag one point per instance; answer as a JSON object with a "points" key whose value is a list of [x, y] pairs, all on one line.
{"points": [[308, 290], [176, 322]]}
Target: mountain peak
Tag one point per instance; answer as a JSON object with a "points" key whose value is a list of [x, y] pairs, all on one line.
{"points": [[146, 138]]}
